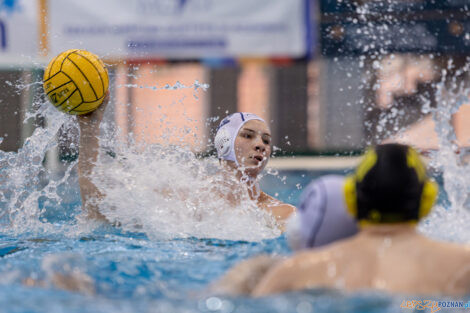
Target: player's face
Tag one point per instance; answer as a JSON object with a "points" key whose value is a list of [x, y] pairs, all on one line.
{"points": [[253, 146]]}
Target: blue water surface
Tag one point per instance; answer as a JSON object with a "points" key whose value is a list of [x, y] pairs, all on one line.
{"points": [[131, 273]]}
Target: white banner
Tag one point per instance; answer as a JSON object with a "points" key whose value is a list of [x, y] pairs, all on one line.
{"points": [[18, 31], [180, 28]]}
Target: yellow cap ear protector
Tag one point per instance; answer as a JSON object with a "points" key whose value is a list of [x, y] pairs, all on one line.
{"points": [[350, 195], [428, 197], [429, 189], [368, 161]]}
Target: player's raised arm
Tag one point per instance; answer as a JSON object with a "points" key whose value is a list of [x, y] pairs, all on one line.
{"points": [[88, 155], [76, 82]]}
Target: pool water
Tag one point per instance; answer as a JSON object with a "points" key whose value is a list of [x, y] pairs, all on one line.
{"points": [[129, 272]]}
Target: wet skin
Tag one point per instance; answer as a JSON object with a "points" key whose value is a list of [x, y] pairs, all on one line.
{"points": [[253, 147], [252, 150]]}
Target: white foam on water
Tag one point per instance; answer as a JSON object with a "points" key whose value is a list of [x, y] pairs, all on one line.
{"points": [[447, 224], [167, 192]]}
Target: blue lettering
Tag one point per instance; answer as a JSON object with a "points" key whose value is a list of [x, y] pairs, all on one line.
{"points": [[10, 5], [182, 3], [165, 7], [3, 36], [224, 121]]}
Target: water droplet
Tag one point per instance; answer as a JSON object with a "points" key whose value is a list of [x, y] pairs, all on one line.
{"points": [[213, 304]]}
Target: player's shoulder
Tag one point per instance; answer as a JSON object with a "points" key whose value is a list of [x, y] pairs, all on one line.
{"points": [[453, 251], [278, 204]]}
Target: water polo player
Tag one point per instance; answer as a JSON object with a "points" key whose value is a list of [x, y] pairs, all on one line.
{"points": [[243, 143], [388, 194]]}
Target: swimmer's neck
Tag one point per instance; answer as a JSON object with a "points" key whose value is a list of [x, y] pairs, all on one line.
{"points": [[396, 229], [231, 167], [249, 181]]}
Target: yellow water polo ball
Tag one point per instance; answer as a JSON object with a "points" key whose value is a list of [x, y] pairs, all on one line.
{"points": [[76, 81]]}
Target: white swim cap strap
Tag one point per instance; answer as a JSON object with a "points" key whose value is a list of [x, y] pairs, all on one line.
{"points": [[227, 132]]}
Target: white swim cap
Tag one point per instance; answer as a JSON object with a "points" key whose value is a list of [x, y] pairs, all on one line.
{"points": [[322, 217], [227, 132]]}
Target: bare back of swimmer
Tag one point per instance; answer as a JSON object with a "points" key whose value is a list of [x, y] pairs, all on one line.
{"points": [[394, 258]]}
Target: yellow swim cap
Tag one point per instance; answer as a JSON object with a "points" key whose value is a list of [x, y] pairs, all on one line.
{"points": [[390, 185]]}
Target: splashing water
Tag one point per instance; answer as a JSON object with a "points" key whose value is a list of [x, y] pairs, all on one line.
{"points": [[24, 179], [163, 191], [449, 223], [376, 31], [167, 192]]}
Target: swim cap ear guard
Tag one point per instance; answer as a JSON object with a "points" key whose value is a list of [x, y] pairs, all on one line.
{"points": [[428, 196], [350, 195], [222, 143]]}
